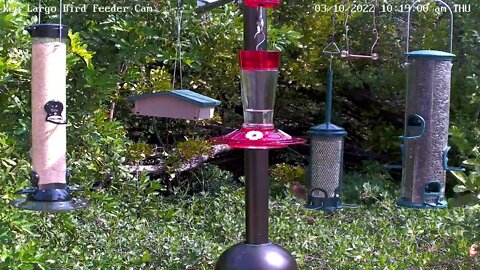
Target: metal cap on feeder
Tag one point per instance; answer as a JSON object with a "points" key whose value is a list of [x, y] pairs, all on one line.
{"points": [[50, 177], [425, 148], [47, 30], [259, 73]]}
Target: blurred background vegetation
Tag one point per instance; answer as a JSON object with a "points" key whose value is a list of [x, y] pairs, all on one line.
{"points": [[170, 220]]}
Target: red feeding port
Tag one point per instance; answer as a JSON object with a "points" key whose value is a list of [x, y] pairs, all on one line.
{"points": [[263, 3], [259, 60], [258, 138]]}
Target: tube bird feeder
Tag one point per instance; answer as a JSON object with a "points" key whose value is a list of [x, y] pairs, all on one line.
{"points": [[50, 189], [425, 141], [326, 160]]}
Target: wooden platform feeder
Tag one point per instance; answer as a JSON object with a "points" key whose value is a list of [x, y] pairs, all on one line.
{"points": [[176, 104]]}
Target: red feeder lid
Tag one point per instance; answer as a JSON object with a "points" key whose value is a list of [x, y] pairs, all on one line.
{"points": [[252, 138], [263, 3], [259, 60]]}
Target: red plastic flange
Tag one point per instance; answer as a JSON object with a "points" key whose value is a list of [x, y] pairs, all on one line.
{"points": [[263, 3], [257, 138]]}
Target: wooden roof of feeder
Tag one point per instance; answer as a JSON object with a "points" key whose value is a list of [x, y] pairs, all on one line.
{"points": [[177, 104]]}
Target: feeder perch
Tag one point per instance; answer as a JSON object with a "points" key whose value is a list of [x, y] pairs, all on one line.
{"points": [[259, 74], [50, 177], [176, 104], [425, 143]]}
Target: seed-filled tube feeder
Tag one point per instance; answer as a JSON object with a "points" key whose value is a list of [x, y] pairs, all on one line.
{"points": [[49, 178], [326, 160], [259, 73], [425, 141]]}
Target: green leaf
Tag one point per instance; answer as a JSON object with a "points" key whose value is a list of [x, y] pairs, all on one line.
{"points": [[80, 49], [460, 176], [472, 181], [473, 162], [460, 188], [463, 200]]}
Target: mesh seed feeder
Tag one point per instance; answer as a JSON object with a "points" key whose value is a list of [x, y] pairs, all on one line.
{"points": [[50, 189], [425, 142], [259, 74], [326, 157]]}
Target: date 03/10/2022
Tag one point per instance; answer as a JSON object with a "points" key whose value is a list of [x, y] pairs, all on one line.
{"points": [[383, 8]]}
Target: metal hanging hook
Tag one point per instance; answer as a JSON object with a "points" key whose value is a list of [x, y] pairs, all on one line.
{"points": [[260, 27], [410, 17], [373, 56]]}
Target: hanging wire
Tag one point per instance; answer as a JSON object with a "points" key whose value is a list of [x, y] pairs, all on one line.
{"points": [[60, 23], [178, 47], [260, 28], [347, 28], [39, 11], [332, 43], [375, 30]]}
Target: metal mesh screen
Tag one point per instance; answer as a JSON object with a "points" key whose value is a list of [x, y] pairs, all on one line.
{"points": [[326, 164]]}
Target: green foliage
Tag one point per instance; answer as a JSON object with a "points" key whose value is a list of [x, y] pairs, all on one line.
{"points": [[130, 225], [468, 187], [372, 185], [193, 148], [185, 151], [79, 49], [139, 151], [285, 173]]}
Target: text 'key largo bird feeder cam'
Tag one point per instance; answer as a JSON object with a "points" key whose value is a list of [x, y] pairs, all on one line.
{"points": [[259, 73], [50, 189], [425, 142]]}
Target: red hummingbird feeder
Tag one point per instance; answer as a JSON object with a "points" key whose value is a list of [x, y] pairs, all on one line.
{"points": [[259, 73]]}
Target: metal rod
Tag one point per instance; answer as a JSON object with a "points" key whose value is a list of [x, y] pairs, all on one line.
{"points": [[256, 195], [373, 56], [359, 56], [213, 5], [328, 105], [256, 161]]}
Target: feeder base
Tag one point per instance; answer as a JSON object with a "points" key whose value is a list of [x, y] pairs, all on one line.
{"points": [[325, 204], [440, 205], [244, 256], [72, 204]]}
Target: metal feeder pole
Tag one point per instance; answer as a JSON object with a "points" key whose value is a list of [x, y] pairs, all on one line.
{"points": [[256, 161], [256, 253]]}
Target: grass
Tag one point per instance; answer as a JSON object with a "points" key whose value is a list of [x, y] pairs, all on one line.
{"points": [[147, 231]]}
